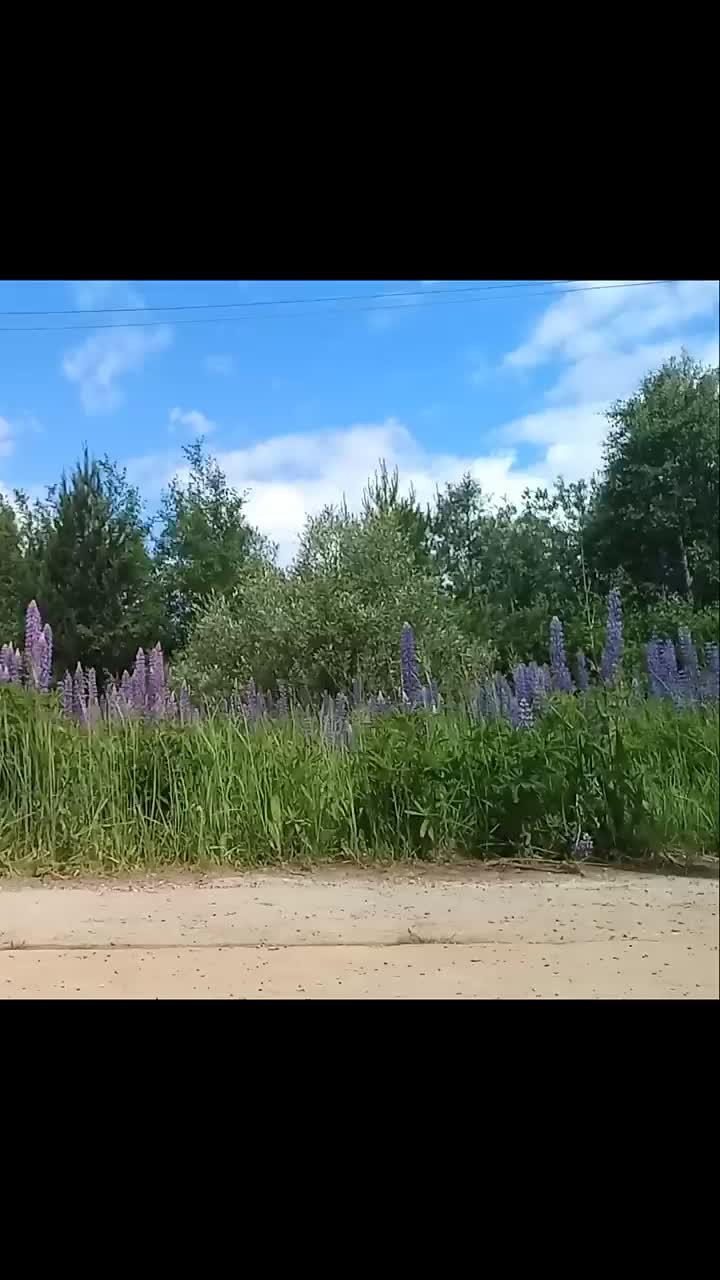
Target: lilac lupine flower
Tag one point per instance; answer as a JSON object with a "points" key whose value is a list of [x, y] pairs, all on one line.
{"points": [[139, 682], [583, 680], [40, 662], [711, 674], [68, 695], [33, 644], [561, 678], [111, 701], [612, 652], [522, 680], [689, 659], [79, 695], [5, 664], [409, 667], [16, 667], [654, 665], [540, 681], [125, 694], [93, 707], [155, 682], [46, 670], [525, 715], [662, 668]]}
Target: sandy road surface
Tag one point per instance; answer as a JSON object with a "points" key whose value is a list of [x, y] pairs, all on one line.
{"points": [[437, 933]]}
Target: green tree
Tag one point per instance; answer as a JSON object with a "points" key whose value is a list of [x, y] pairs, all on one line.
{"points": [[204, 541], [655, 516], [11, 574], [511, 569], [382, 497], [334, 617], [95, 578]]}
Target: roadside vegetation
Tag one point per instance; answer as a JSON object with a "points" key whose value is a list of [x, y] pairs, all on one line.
{"points": [[467, 679]]}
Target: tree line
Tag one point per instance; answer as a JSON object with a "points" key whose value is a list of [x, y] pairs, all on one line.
{"points": [[478, 580]]}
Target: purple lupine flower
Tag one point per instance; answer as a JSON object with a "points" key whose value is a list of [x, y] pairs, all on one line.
{"points": [[40, 662], [156, 682], [46, 670], [561, 678], [689, 659], [68, 694], [139, 683], [79, 695], [540, 679], [33, 645], [662, 668], [711, 674], [16, 666], [522, 680], [583, 680], [111, 701], [525, 715], [409, 666], [125, 694], [612, 652], [92, 704]]}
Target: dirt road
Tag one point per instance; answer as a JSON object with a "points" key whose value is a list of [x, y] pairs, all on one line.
{"points": [[434, 933]]}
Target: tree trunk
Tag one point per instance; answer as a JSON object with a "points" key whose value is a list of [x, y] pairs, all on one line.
{"points": [[687, 576]]}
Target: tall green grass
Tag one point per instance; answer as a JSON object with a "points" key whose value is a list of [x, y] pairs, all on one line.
{"points": [[641, 778]]}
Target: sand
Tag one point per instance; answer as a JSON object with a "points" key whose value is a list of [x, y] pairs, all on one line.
{"points": [[435, 933]]}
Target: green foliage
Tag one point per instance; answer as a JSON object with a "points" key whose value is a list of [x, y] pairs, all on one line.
{"points": [[336, 617], [204, 541], [656, 509], [11, 602], [641, 778], [94, 577], [478, 581]]}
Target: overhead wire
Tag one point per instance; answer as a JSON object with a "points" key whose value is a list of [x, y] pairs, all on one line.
{"points": [[439, 302], [283, 302]]}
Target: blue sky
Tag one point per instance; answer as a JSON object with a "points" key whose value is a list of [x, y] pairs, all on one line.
{"points": [[299, 401]]}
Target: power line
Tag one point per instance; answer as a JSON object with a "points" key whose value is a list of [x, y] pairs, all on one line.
{"points": [[283, 302], [153, 324]]}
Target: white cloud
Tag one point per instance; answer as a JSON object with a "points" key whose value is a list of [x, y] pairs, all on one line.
{"points": [[102, 359], [583, 324], [223, 366], [97, 364], [292, 476], [193, 419], [600, 345]]}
